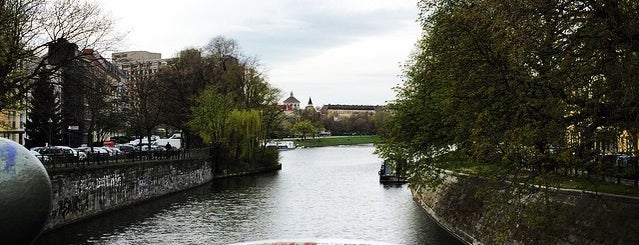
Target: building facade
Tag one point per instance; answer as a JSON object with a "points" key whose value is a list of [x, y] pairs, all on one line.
{"points": [[12, 125], [339, 112], [290, 105], [138, 63]]}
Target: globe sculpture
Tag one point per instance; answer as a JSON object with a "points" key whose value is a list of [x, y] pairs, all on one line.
{"points": [[25, 194]]}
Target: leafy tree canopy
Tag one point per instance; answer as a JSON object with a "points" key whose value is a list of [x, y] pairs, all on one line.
{"points": [[531, 89], [504, 82]]}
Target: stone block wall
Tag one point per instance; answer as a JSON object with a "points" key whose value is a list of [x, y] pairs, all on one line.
{"points": [[582, 217], [82, 193]]}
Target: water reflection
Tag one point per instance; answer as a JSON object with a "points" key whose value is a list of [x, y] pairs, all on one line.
{"points": [[329, 192]]}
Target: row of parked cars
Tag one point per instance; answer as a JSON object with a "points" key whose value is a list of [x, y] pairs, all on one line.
{"points": [[79, 153], [46, 154]]}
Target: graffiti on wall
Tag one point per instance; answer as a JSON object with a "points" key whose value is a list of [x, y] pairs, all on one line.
{"points": [[80, 195]]}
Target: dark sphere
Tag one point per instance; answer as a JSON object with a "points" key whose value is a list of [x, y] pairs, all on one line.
{"points": [[25, 194]]}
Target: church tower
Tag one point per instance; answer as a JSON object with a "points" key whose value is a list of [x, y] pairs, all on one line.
{"points": [[310, 105]]}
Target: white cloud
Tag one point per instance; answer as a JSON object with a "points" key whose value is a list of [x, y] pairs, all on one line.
{"points": [[337, 51], [361, 72]]}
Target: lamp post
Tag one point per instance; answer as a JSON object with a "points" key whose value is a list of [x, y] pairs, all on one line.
{"points": [[50, 129]]}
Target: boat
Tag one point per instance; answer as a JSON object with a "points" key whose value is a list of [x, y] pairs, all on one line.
{"points": [[388, 176], [281, 145]]}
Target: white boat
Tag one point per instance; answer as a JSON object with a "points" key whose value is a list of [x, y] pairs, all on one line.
{"points": [[281, 145]]}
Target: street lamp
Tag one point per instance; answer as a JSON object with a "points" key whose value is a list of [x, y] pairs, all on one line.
{"points": [[50, 129]]}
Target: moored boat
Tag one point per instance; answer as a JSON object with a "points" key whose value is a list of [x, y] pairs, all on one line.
{"points": [[387, 175], [281, 145]]}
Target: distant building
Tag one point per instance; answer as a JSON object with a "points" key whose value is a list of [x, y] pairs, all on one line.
{"points": [[310, 106], [339, 112], [75, 107], [12, 125], [130, 56], [290, 105], [137, 64], [12, 121]]}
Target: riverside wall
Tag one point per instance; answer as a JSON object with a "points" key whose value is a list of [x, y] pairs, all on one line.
{"points": [[83, 193], [581, 217]]}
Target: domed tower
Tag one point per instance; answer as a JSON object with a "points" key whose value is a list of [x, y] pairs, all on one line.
{"points": [[291, 103]]}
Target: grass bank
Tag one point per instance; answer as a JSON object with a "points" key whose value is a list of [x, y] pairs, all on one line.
{"points": [[337, 140], [578, 183]]}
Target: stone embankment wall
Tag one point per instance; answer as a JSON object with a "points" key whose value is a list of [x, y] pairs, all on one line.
{"points": [[579, 218], [82, 193]]}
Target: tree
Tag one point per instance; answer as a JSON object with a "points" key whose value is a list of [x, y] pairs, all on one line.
{"points": [[219, 66], [209, 117], [43, 121], [183, 79], [237, 76], [30, 28], [217, 94], [304, 128], [235, 135], [380, 119], [503, 83], [145, 104], [103, 116], [245, 132], [503, 87], [88, 100]]}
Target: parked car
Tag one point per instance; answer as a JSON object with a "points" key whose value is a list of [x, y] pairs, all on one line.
{"points": [[109, 151], [94, 152], [49, 150], [57, 154], [127, 150], [43, 159], [77, 154]]}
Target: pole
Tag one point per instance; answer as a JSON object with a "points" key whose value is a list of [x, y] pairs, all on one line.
{"points": [[50, 129]]}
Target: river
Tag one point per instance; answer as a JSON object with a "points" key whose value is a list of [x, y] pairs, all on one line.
{"points": [[327, 192]]}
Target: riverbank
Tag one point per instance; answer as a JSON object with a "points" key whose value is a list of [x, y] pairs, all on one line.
{"points": [[577, 217], [338, 140], [253, 171]]}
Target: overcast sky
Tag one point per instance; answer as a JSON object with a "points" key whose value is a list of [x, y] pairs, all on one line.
{"points": [[334, 51]]}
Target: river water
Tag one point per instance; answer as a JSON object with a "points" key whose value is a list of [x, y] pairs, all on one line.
{"points": [[327, 192]]}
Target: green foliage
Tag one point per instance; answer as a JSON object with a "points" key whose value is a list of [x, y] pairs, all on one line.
{"points": [[14, 78], [358, 123], [530, 90], [505, 82], [44, 107], [220, 67], [209, 117], [245, 132], [236, 134], [304, 128]]}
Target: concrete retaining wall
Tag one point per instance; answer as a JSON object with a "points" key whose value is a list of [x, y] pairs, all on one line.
{"points": [[83, 193], [579, 217]]}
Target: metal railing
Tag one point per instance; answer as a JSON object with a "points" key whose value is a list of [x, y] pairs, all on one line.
{"points": [[70, 161], [620, 169]]}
